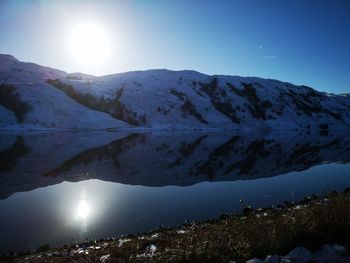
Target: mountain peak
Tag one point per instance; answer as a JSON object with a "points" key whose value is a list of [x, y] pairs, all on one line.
{"points": [[7, 57]]}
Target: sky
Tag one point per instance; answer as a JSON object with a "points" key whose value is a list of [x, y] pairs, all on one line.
{"points": [[302, 42]]}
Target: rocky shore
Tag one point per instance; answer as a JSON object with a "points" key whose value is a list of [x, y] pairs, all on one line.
{"points": [[316, 229]]}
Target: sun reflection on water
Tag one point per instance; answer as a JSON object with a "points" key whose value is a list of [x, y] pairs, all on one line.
{"points": [[83, 210]]}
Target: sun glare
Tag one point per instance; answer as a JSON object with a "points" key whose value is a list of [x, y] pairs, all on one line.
{"points": [[89, 44]]}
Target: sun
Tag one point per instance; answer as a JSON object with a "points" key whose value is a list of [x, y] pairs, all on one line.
{"points": [[89, 44]]}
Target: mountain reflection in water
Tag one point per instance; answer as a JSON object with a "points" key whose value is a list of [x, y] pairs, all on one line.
{"points": [[62, 187], [160, 159]]}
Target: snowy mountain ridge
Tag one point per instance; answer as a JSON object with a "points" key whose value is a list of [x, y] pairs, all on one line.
{"points": [[39, 97]]}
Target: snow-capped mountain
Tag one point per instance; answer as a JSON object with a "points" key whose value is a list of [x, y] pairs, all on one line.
{"points": [[160, 99], [28, 102]]}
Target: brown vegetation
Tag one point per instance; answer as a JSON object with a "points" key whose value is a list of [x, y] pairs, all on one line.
{"points": [[275, 230]]}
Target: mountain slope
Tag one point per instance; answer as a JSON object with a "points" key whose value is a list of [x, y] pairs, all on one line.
{"points": [[46, 107], [163, 99]]}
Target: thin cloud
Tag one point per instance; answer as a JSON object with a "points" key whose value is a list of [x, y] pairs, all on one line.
{"points": [[270, 57]]}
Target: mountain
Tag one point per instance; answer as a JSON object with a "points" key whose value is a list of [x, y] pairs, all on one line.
{"points": [[38, 97], [28, 102]]}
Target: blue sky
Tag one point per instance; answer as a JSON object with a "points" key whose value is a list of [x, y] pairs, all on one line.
{"points": [[303, 42]]}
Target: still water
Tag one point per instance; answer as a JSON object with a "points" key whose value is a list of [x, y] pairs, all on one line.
{"points": [[63, 187]]}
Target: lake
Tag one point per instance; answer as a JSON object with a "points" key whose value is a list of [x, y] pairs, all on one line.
{"points": [[61, 187]]}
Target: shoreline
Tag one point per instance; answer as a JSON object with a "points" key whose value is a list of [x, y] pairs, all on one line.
{"points": [[255, 233], [29, 128]]}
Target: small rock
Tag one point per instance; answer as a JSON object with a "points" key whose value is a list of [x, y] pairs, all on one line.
{"points": [[255, 260], [331, 254], [298, 254], [91, 243], [334, 248], [81, 251], [122, 241], [56, 254], [104, 258], [273, 208], [151, 248], [272, 259], [150, 252], [327, 257]]}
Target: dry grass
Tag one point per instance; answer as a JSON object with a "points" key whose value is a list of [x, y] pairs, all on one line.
{"points": [[311, 224]]}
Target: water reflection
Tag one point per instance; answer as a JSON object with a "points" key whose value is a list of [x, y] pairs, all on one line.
{"points": [[160, 159], [83, 211], [202, 176]]}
